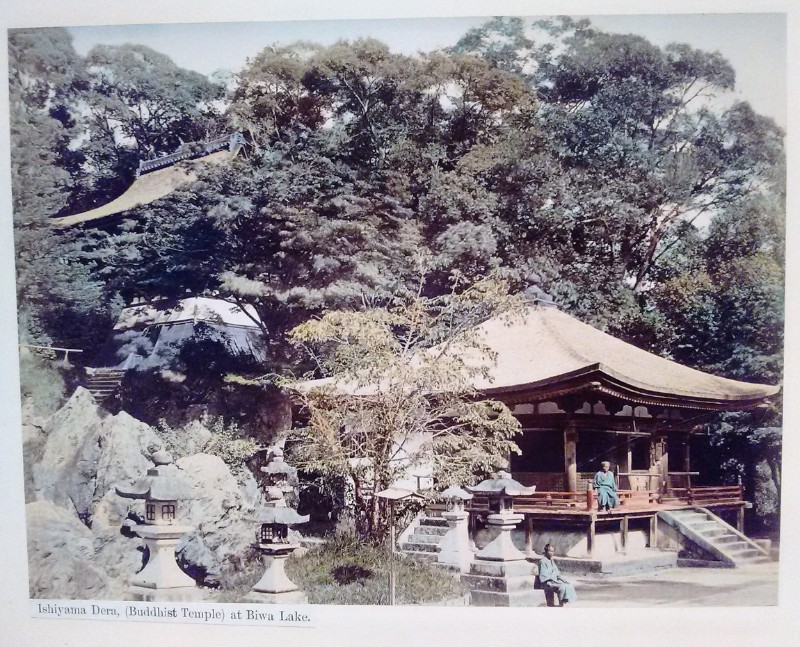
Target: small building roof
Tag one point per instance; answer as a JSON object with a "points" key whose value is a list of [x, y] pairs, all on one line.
{"points": [[190, 309], [146, 189]]}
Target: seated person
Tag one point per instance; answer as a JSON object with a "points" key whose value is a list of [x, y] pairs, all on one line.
{"points": [[606, 488], [551, 580]]}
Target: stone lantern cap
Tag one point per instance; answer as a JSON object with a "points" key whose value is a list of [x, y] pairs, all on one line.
{"points": [[280, 514], [503, 486], [277, 466], [455, 492], [162, 483]]}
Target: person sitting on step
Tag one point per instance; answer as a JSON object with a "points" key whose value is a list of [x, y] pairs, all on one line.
{"points": [[606, 488], [551, 580]]}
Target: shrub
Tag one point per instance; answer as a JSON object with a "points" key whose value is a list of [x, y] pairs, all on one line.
{"points": [[227, 442], [42, 382]]}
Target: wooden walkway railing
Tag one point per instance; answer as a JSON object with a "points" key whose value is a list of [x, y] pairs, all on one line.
{"points": [[709, 495], [629, 499]]}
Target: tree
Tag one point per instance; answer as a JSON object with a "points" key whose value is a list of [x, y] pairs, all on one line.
{"points": [[642, 149], [140, 105], [401, 395]]}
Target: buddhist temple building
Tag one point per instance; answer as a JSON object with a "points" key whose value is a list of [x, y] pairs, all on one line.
{"points": [[583, 396]]}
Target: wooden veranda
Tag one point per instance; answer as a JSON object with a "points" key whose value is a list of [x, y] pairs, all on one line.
{"points": [[579, 510]]}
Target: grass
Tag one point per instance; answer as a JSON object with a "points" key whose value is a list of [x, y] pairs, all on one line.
{"points": [[347, 571]]}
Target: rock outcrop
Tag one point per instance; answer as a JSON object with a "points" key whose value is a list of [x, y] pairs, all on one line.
{"points": [[86, 455], [77, 457], [60, 555], [220, 515]]}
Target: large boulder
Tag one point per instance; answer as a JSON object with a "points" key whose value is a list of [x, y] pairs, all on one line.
{"points": [[65, 474], [85, 455], [220, 515], [119, 557], [126, 446], [34, 439], [61, 555]]}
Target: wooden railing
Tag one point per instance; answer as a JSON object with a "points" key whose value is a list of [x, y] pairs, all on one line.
{"points": [[567, 501], [628, 499], [710, 495]]}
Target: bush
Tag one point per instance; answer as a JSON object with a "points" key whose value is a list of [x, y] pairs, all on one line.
{"points": [[227, 441], [42, 382], [343, 571]]}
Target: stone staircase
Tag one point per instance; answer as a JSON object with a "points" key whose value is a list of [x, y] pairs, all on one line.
{"points": [[423, 542], [103, 382], [715, 538]]}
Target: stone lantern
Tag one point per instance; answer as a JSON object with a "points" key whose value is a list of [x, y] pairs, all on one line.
{"points": [[161, 488], [454, 548], [278, 472], [500, 575], [272, 538]]}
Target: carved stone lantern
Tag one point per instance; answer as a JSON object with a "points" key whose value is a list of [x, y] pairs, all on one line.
{"points": [[272, 538], [500, 574], [162, 488], [501, 491], [454, 548]]}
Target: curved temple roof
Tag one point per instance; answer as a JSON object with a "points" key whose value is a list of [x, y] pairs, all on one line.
{"points": [[542, 353], [548, 350], [146, 189]]}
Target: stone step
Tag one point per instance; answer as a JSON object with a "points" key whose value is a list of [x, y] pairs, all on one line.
{"points": [[686, 513], [416, 538], [735, 546], [498, 584], [411, 546], [743, 553], [702, 526], [726, 539], [433, 531], [716, 531], [420, 556], [433, 521]]}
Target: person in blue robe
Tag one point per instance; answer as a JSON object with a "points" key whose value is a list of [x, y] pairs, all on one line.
{"points": [[605, 488], [551, 580]]}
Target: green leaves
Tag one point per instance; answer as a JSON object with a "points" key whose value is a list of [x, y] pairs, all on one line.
{"points": [[400, 396]]}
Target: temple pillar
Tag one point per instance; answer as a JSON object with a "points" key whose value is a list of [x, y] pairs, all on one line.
{"points": [[571, 457], [661, 456], [624, 465]]}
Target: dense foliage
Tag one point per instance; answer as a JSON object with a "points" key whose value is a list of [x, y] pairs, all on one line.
{"points": [[400, 398], [597, 167]]}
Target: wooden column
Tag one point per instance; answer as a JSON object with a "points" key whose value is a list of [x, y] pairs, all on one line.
{"points": [[590, 537], [687, 462], [624, 465], [653, 539], [624, 532], [571, 457]]}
